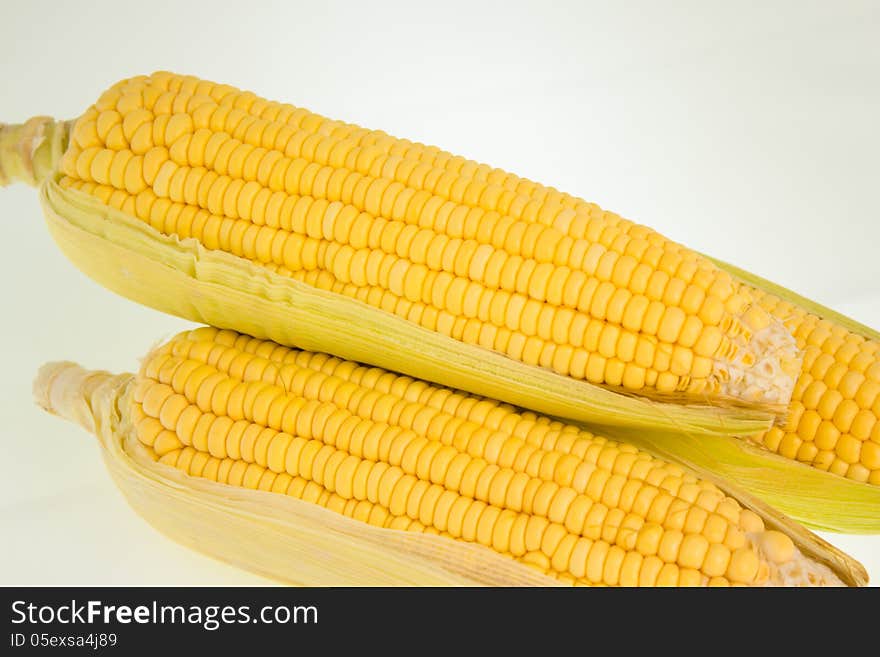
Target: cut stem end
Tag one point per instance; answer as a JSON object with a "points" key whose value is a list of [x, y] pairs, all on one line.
{"points": [[75, 393], [30, 151]]}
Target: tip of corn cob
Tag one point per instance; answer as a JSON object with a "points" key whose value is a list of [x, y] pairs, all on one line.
{"points": [[781, 563], [82, 396], [761, 363]]}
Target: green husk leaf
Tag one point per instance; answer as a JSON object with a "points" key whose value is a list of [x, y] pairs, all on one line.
{"points": [[183, 278]]}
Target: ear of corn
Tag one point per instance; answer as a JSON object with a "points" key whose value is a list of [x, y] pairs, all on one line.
{"points": [[464, 251], [276, 536], [138, 206], [274, 458]]}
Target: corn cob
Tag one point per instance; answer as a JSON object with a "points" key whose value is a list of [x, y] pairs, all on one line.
{"points": [[464, 251], [396, 455], [221, 207]]}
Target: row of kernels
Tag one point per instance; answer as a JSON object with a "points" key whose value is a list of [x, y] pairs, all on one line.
{"points": [[564, 362], [367, 139], [593, 367], [225, 349], [574, 360], [528, 427], [255, 131], [430, 504], [308, 420], [832, 418], [380, 407], [846, 456], [217, 395], [540, 542], [232, 202], [298, 252], [418, 508], [248, 240], [527, 187], [307, 121], [693, 297], [224, 438], [122, 169], [425, 420], [564, 359]]}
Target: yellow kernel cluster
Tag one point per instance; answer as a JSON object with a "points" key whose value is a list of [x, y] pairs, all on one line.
{"points": [[455, 246], [834, 417], [401, 453]]}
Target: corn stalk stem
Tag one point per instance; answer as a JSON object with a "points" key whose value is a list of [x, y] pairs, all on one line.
{"points": [[31, 151], [85, 397]]}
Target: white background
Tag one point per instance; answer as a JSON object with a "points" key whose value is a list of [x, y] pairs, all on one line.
{"points": [[747, 130]]}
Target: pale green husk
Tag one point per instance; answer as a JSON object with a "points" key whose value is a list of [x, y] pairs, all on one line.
{"points": [[30, 151]]}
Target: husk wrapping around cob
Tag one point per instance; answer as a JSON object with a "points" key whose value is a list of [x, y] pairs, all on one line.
{"points": [[276, 536], [298, 542]]}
